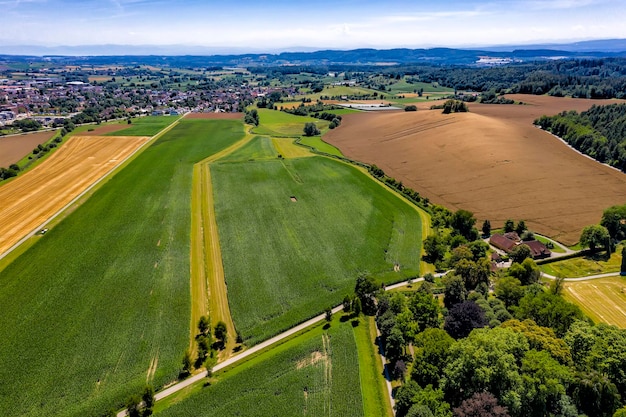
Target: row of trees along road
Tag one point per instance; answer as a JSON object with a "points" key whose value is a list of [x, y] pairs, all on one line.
{"points": [[521, 350]]}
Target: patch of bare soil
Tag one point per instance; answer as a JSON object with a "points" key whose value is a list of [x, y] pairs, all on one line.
{"points": [[15, 147], [491, 161], [104, 129]]}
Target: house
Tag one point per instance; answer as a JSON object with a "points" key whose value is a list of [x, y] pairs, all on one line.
{"points": [[537, 249], [501, 242]]}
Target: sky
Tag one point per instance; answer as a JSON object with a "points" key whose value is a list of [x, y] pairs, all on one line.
{"points": [[299, 25]]}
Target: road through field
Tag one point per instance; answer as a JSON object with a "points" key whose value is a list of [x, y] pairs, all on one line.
{"points": [[34, 197]]}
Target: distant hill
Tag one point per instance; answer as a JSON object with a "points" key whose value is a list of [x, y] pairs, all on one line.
{"points": [[194, 55]]}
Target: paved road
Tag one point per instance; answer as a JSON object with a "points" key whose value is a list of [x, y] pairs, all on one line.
{"points": [[586, 278]]}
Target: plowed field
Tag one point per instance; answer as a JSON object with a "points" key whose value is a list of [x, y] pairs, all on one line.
{"points": [[32, 198], [15, 147], [491, 161]]}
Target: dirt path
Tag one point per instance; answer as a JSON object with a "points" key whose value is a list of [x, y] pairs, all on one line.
{"points": [[208, 284]]}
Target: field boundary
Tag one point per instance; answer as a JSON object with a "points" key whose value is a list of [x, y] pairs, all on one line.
{"points": [[89, 189], [208, 284]]}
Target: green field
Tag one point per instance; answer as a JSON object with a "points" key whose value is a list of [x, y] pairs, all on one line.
{"points": [[585, 265], [260, 147], [145, 126], [316, 374], [104, 296], [285, 260], [317, 143], [281, 124]]}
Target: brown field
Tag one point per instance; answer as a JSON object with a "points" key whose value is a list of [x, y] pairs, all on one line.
{"points": [[34, 197], [604, 300], [15, 147], [221, 116], [104, 129], [491, 161]]}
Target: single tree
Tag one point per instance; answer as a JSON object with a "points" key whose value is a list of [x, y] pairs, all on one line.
{"points": [[365, 290], [481, 404], [148, 398], [520, 228], [595, 236], [328, 314], [221, 332], [133, 406], [187, 364], [204, 325], [454, 291], [463, 318], [509, 226], [520, 252], [486, 228], [623, 268]]}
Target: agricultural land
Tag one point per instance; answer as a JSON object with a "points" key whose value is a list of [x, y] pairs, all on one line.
{"points": [[14, 147], [317, 373], [316, 224], [99, 306], [491, 161], [604, 300], [31, 199]]}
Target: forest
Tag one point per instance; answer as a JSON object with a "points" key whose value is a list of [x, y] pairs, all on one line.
{"points": [[599, 132]]}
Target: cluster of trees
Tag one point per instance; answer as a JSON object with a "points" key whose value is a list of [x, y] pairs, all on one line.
{"points": [[599, 132], [521, 350], [251, 117], [310, 129], [9, 172], [518, 350], [26, 125], [208, 343], [451, 106]]}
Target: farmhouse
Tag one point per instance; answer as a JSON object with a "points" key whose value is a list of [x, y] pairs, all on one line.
{"points": [[509, 241], [502, 242]]}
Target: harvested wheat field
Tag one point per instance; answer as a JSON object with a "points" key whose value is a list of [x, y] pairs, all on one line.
{"points": [[15, 147], [214, 116], [491, 161], [604, 300], [34, 197]]}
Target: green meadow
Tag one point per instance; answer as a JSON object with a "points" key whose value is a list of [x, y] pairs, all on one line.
{"points": [[100, 305], [281, 124], [296, 233]]}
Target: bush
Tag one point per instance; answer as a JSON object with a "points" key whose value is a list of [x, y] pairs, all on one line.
{"points": [[410, 108]]}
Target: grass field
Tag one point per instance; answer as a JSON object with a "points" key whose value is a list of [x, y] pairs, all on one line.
{"points": [[317, 143], [585, 265], [260, 147], [316, 374], [287, 260], [145, 126], [100, 305], [604, 300], [278, 123]]}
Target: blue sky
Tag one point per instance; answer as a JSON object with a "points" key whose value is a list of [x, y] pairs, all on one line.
{"points": [[283, 24]]}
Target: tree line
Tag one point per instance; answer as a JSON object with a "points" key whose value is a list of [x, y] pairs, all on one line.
{"points": [[599, 132]]}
